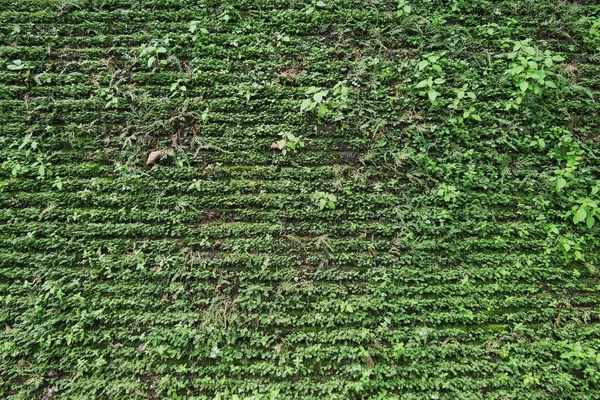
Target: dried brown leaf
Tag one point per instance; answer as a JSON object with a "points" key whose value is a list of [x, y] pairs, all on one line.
{"points": [[116, 346], [158, 268], [274, 146], [153, 157], [571, 68], [369, 361], [50, 393], [141, 347]]}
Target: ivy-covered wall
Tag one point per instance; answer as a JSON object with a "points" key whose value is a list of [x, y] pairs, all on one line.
{"points": [[269, 199]]}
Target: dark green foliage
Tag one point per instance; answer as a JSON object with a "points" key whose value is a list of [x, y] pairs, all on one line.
{"points": [[352, 200]]}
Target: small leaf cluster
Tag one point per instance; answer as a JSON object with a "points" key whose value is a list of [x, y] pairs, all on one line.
{"points": [[531, 71]]}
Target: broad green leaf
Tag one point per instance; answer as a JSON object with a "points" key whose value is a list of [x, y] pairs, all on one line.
{"points": [[439, 81], [422, 84], [321, 4], [151, 61], [524, 85], [558, 58], [476, 117], [432, 95], [471, 95], [541, 143], [322, 110], [318, 97], [305, 104], [423, 64], [529, 50], [550, 84], [590, 221], [580, 215], [548, 62], [560, 184]]}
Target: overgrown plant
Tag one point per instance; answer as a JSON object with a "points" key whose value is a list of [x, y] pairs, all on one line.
{"points": [[323, 200], [288, 142], [326, 101], [531, 71], [155, 52], [431, 70]]}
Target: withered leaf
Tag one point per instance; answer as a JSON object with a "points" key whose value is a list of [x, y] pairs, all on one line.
{"points": [[274, 145], [153, 157], [445, 342], [158, 268], [141, 347], [50, 393], [571, 68], [116, 346], [369, 361]]}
